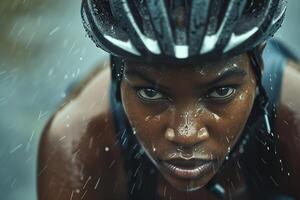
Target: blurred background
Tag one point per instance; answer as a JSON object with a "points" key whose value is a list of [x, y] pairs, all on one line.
{"points": [[43, 48]]}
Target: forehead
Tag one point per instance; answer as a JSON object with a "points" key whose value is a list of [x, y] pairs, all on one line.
{"points": [[208, 68]]}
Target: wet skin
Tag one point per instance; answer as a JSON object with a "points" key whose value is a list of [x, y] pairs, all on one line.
{"points": [[79, 158], [187, 118]]}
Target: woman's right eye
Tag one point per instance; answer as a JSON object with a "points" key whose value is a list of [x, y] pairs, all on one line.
{"points": [[149, 94]]}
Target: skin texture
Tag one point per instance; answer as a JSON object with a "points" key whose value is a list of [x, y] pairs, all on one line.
{"points": [[187, 118], [79, 158]]}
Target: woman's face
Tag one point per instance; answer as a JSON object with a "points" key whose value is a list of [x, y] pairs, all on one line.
{"points": [[188, 118]]}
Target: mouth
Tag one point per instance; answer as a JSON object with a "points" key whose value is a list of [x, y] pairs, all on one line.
{"points": [[188, 169]]}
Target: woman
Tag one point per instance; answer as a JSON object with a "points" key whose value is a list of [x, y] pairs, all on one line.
{"points": [[183, 110]]}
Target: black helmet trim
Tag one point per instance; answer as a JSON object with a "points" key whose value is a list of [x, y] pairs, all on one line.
{"points": [[102, 40], [120, 29]]}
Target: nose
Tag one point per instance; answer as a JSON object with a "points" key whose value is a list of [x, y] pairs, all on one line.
{"points": [[186, 130]]}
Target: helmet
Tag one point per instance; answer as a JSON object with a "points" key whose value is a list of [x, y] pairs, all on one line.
{"points": [[181, 30]]}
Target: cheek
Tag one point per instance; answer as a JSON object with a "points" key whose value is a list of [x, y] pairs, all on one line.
{"points": [[232, 120], [145, 119]]}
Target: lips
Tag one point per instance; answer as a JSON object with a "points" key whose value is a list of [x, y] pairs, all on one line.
{"points": [[188, 169]]}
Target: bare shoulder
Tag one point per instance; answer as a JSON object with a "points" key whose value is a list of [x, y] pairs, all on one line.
{"points": [[288, 128], [78, 148], [290, 86]]}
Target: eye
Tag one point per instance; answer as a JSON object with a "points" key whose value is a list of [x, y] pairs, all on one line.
{"points": [[149, 94], [222, 93]]}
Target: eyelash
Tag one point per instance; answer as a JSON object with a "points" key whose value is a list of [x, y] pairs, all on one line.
{"points": [[220, 99], [138, 89], [233, 87]]}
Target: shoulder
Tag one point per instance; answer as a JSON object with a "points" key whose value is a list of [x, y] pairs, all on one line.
{"points": [[288, 128], [78, 144], [290, 86], [86, 110]]}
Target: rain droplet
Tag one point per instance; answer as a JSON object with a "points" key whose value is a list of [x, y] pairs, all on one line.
{"points": [[147, 118]]}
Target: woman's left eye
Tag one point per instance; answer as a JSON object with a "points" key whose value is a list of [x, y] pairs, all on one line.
{"points": [[149, 94], [222, 92]]}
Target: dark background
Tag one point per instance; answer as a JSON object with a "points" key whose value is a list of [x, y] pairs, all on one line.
{"points": [[43, 48]]}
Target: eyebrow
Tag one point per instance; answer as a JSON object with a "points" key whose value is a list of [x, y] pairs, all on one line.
{"points": [[145, 77], [228, 73]]}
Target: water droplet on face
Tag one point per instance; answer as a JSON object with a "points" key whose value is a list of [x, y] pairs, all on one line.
{"points": [[202, 133], [229, 149], [106, 149], [227, 139], [187, 127], [170, 134], [157, 118], [242, 97], [200, 109], [226, 158], [216, 117], [200, 70], [147, 118]]}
